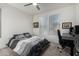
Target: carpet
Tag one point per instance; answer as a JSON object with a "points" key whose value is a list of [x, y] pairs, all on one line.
{"points": [[55, 50]]}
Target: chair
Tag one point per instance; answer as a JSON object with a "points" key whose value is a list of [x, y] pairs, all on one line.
{"points": [[76, 42], [64, 42], [61, 42]]}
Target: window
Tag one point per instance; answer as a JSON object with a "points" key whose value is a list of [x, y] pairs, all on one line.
{"points": [[44, 25], [49, 24], [53, 23]]}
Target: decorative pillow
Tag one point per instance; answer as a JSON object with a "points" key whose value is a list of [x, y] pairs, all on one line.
{"points": [[27, 35], [20, 36]]}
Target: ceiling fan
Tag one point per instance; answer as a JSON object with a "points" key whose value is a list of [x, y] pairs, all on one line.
{"points": [[35, 4]]}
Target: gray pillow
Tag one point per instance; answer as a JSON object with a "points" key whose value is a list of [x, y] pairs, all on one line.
{"points": [[27, 35], [20, 36]]}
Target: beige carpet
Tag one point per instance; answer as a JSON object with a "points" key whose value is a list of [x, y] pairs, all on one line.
{"points": [[52, 50], [7, 52]]}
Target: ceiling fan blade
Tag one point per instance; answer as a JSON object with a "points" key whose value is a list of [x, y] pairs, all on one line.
{"points": [[28, 4], [37, 6]]}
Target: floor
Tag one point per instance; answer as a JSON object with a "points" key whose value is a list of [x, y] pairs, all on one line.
{"points": [[7, 52], [53, 50]]}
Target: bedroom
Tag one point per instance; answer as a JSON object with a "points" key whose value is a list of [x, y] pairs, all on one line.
{"points": [[18, 20]]}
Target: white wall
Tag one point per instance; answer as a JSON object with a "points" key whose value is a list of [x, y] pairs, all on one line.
{"points": [[13, 21], [66, 14], [77, 14]]}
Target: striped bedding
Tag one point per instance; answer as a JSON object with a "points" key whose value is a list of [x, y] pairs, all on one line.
{"points": [[23, 47]]}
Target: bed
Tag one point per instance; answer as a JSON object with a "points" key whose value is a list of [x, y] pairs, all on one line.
{"points": [[24, 45]]}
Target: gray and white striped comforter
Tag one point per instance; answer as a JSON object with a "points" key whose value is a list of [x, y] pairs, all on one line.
{"points": [[23, 47]]}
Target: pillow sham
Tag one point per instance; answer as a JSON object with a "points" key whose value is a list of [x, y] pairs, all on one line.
{"points": [[27, 35], [20, 36]]}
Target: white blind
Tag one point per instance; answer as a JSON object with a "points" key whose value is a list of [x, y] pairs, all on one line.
{"points": [[53, 23], [49, 24]]}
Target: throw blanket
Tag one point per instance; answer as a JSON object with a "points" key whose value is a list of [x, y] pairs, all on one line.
{"points": [[23, 47], [37, 49]]}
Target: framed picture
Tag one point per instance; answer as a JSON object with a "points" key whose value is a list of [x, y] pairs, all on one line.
{"points": [[66, 25], [36, 24]]}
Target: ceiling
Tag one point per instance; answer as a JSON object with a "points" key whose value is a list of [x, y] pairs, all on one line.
{"points": [[44, 7]]}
